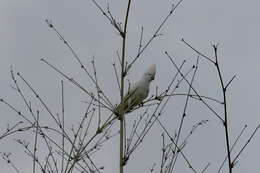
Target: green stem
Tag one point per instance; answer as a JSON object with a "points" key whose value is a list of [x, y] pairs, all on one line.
{"points": [[121, 162]]}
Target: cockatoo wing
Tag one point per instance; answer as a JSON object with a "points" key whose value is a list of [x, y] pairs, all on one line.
{"points": [[138, 92], [128, 100]]}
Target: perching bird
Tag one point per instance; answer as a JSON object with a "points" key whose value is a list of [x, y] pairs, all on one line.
{"points": [[137, 93]]}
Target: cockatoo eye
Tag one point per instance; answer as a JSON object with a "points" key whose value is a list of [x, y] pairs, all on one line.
{"points": [[151, 76]]}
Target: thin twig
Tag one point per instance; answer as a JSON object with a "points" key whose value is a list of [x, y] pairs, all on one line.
{"points": [[117, 79], [205, 168], [204, 102], [201, 54], [77, 58], [184, 113], [73, 146], [98, 91], [238, 137], [155, 34], [6, 157], [243, 148], [35, 141], [229, 82], [63, 127], [39, 98], [90, 94], [141, 40]]}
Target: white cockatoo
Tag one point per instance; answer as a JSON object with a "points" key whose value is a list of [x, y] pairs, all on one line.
{"points": [[138, 92]]}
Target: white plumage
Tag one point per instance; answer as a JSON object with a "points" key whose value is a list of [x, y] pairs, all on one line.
{"points": [[138, 92]]}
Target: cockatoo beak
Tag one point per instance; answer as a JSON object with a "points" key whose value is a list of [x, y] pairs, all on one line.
{"points": [[150, 73]]}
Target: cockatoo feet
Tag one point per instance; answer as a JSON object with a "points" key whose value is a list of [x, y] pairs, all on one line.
{"points": [[141, 104]]}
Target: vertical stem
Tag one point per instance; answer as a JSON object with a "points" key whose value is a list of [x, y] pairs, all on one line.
{"points": [[225, 110], [35, 142], [63, 132], [121, 145], [122, 119]]}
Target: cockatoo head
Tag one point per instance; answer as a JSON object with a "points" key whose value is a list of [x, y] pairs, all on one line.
{"points": [[150, 73]]}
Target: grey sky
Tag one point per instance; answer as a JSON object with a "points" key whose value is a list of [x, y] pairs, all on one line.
{"points": [[25, 39]]}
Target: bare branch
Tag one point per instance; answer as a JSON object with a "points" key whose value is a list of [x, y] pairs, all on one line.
{"points": [[205, 168], [117, 78], [75, 55], [248, 141], [238, 137], [171, 12], [229, 82], [201, 54], [204, 102]]}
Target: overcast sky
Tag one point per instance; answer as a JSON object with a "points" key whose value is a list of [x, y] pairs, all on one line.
{"points": [[25, 39]]}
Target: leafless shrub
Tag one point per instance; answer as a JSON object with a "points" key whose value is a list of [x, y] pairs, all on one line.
{"points": [[57, 148]]}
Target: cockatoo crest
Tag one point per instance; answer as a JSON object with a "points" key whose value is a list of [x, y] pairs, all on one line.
{"points": [[138, 92], [150, 73], [151, 69]]}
